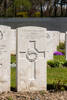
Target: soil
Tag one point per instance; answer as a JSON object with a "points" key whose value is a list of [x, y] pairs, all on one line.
{"points": [[41, 95]]}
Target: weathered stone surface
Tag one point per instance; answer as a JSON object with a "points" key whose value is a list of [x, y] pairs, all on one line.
{"points": [[52, 38], [31, 59], [4, 58]]}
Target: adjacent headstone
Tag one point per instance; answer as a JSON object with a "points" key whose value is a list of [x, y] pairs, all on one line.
{"points": [[52, 38], [62, 37], [31, 59], [66, 45], [13, 41], [4, 59]]}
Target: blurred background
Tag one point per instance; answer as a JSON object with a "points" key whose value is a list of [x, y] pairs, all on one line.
{"points": [[33, 8]]}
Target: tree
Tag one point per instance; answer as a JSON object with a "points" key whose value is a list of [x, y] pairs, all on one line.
{"points": [[22, 3], [4, 4], [40, 4]]}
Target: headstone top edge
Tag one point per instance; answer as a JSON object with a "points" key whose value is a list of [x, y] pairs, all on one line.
{"points": [[66, 32], [30, 27], [5, 26]]}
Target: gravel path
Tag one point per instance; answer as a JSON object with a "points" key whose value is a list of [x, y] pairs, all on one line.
{"points": [[42, 95]]}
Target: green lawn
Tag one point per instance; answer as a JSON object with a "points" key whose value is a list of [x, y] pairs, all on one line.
{"points": [[59, 58], [13, 59], [13, 77], [53, 74]]}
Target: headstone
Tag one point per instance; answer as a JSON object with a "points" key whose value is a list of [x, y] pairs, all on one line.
{"points": [[66, 45], [52, 38], [4, 59], [62, 37], [13, 41], [31, 59]]}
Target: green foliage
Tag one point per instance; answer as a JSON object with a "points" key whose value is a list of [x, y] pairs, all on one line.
{"points": [[63, 51], [18, 3], [22, 14], [61, 47], [57, 62], [10, 12], [53, 63], [42, 92], [36, 14], [60, 59], [59, 85], [54, 74], [65, 64], [13, 77], [10, 98], [13, 59], [22, 3]]}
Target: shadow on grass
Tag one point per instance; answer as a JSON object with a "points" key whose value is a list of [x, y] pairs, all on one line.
{"points": [[55, 87], [13, 89], [50, 87]]}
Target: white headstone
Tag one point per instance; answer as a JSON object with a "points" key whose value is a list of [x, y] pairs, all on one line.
{"points": [[62, 37], [4, 59], [52, 38], [13, 41], [31, 59]]}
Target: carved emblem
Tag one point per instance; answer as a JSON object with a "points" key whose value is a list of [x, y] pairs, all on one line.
{"points": [[31, 55]]}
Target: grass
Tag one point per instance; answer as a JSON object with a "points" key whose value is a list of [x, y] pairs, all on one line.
{"points": [[13, 77], [9, 98], [53, 74], [13, 59], [60, 58]]}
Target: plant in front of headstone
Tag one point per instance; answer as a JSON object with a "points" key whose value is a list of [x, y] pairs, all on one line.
{"points": [[60, 58], [62, 51], [58, 53], [58, 85], [61, 47], [13, 58], [42, 92], [10, 98], [53, 63]]}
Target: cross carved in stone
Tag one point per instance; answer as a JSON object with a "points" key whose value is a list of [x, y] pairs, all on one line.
{"points": [[31, 55]]}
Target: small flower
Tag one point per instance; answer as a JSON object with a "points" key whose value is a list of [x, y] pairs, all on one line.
{"points": [[58, 53]]}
